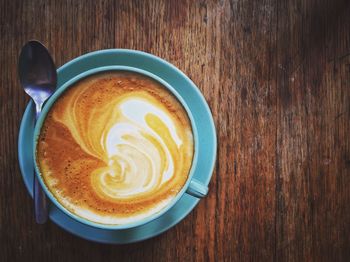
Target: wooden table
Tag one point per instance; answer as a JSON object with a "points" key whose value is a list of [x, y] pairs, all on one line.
{"points": [[276, 75]]}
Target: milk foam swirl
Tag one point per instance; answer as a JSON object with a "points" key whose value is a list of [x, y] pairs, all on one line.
{"points": [[133, 150], [139, 160]]}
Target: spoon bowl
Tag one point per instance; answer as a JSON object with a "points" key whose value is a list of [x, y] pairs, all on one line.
{"points": [[37, 71]]}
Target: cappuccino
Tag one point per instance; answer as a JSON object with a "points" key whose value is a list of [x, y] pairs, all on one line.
{"points": [[115, 148]]}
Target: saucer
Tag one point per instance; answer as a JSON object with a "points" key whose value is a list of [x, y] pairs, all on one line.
{"points": [[206, 142]]}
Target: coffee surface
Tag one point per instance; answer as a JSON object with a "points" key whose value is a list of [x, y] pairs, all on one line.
{"points": [[116, 147]]}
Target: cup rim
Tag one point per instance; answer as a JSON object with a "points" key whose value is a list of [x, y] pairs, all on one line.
{"points": [[47, 107]]}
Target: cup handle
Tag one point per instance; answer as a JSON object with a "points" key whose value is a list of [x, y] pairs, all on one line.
{"points": [[197, 189]]}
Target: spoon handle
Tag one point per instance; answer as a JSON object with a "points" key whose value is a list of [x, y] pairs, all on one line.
{"points": [[40, 202], [40, 199]]}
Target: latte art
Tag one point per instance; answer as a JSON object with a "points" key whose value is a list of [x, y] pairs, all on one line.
{"points": [[138, 157], [115, 148]]}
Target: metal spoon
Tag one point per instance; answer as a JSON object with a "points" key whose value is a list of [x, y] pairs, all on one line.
{"points": [[37, 73]]}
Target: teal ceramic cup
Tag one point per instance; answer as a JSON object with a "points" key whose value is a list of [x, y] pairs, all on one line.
{"points": [[192, 186]]}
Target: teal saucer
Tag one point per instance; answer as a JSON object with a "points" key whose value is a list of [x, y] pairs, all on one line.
{"points": [[206, 143]]}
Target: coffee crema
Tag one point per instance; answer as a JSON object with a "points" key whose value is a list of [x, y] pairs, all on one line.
{"points": [[115, 148]]}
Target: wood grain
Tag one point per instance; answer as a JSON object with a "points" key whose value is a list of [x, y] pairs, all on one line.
{"points": [[276, 75]]}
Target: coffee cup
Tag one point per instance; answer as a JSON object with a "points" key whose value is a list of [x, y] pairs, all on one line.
{"points": [[190, 186]]}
